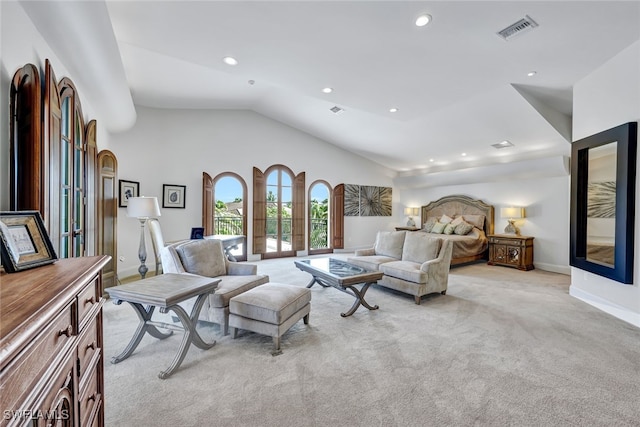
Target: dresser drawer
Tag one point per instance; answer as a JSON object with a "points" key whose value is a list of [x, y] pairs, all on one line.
{"points": [[510, 242], [21, 376], [87, 348], [88, 299], [90, 398]]}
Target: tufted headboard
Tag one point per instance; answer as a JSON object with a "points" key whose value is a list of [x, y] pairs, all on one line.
{"points": [[458, 204]]}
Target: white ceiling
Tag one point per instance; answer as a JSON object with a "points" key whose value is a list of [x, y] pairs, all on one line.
{"points": [[458, 86]]}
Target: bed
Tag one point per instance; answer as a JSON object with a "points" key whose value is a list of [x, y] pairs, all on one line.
{"points": [[472, 246]]}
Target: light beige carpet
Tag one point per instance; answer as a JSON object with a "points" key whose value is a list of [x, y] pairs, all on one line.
{"points": [[502, 348]]}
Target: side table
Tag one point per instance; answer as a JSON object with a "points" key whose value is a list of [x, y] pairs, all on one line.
{"points": [[406, 228], [165, 291], [511, 250]]}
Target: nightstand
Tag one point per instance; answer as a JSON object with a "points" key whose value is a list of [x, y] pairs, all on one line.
{"points": [[511, 250], [407, 228]]}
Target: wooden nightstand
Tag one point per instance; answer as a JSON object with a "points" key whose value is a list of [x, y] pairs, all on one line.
{"points": [[511, 250]]}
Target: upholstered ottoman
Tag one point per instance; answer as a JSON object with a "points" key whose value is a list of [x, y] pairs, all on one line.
{"points": [[269, 309]]}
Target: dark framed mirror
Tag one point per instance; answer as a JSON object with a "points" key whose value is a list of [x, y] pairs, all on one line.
{"points": [[603, 189]]}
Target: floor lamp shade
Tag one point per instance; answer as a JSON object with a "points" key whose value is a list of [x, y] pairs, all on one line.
{"points": [[143, 207]]}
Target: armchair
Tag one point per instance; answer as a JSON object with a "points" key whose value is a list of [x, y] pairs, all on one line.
{"points": [[207, 258]]}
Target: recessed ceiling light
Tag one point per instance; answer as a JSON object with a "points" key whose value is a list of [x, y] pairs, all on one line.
{"points": [[431, 160], [393, 110], [463, 154], [532, 73], [327, 90], [423, 20], [230, 60]]}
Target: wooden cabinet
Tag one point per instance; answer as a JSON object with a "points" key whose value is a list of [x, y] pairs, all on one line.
{"points": [[511, 251], [51, 370]]}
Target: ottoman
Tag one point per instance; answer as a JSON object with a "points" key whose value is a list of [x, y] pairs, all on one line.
{"points": [[269, 309]]}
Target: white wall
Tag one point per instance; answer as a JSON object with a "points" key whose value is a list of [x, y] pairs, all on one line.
{"points": [[606, 98], [176, 146], [546, 202]]}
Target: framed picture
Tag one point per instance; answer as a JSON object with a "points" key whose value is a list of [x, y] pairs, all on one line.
{"points": [[197, 233], [24, 242], [127, 189], [173, 196]]}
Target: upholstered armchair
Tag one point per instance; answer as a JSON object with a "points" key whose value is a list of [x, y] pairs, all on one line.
{"points": [[206, 258], [423, 269]]}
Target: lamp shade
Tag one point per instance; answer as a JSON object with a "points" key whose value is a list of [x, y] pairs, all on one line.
{"points": [[512, 212], [143, 207], [411, 211]]}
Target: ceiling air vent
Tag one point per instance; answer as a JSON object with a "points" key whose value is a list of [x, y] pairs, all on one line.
{"points": [[336, 110], [522, 26], [503, 144]]}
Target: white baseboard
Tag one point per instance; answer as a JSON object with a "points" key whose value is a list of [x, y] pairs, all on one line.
{"points": [[554, 268], [615, 310]]}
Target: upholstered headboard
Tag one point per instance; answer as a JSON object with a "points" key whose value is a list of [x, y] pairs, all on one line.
{"points": [[459, 205]]}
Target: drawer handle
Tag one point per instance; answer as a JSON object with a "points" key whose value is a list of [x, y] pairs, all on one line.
{"points": [[91, 346], [68, 332], [91, 300]]}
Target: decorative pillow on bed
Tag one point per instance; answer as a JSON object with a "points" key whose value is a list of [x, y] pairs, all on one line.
{"points": [[438, 228], [449, 228], [445, 219], [457, 220], [475, 220], [429, 224], [463, 228]]}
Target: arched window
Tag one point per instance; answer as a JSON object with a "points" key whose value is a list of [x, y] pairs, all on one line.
{"points": [[319, 214], [71, 173], [224, 205]]}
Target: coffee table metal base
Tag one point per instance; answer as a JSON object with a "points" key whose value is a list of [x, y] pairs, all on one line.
{"points": [[351, 290]]}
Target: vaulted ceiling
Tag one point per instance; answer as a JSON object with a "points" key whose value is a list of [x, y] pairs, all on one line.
{"points": [[458, 86]]}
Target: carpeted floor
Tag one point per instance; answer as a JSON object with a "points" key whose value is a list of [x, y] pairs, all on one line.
{"points": [[502, 348]]}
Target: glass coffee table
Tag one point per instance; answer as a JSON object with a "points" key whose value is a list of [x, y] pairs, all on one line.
{"points": [[343, 276]]}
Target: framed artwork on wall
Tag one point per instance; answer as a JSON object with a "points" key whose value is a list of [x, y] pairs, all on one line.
{"points": [[367, 200], [173, 196], [127, 189], [24, 242]]}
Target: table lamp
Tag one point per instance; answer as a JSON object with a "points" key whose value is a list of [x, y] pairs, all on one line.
{"points": [[143, 208], [512, 213], [411, 212]]}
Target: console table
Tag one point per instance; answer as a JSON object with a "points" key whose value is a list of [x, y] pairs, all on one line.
{"points": [[51, 344], [229, 242]]}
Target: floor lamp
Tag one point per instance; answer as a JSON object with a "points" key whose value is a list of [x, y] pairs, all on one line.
{"points": [[143, 208]]}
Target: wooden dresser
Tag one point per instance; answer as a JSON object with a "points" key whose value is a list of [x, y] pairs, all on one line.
{"points": [[51, 361]]}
